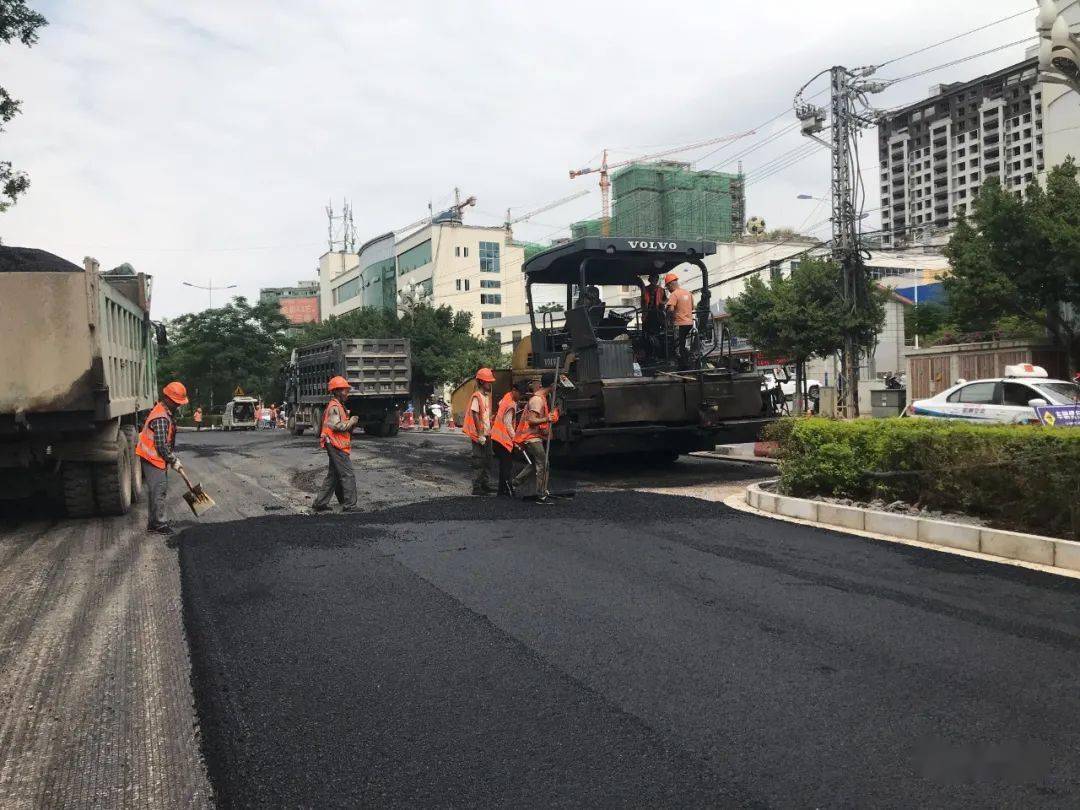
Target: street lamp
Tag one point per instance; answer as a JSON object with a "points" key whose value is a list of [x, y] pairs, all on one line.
{"points": [[210, 288]]}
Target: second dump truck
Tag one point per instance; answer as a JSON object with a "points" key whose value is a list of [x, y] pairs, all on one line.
{"points": [[379, 371]]}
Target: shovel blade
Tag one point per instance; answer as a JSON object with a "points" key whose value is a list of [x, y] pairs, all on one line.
{"points": [[198, 501]]}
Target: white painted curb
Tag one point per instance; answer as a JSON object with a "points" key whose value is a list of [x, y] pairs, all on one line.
{"points": [[1025, 548]]}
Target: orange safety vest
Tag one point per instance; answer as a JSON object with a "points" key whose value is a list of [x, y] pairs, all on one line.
{"points": [[341, 439], [499, 431], [146, 448], [468, 425], [526, 432], [198, 415]]}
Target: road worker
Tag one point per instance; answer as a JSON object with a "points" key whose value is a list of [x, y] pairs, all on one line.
{"points": [[197, 416], [533, 429], [155, 451], [477, 426], [335, 438], [680, 305], [503, 428]]}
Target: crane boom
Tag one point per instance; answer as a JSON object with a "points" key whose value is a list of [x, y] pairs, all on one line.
{"points": [[562, 201], [605, 167]]}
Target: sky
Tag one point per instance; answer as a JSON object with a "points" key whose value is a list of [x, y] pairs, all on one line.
{"points": [[202, 141]]}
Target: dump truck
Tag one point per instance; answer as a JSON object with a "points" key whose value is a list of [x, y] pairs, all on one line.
{"points": [[379, 371], [624, 386], [77, 378]]}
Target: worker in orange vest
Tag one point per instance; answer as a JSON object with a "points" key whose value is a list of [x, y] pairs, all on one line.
{"points": [[335, 437], [503, 428], [197, 416], [477, 426], [680, 305], [155, 446], [533, 429]]}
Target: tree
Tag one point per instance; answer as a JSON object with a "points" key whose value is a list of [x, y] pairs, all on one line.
{"points": [[1021, 259], [803, 315], [17, 21], [444, 348], [926, 319], [214, 351], [550, 308]]}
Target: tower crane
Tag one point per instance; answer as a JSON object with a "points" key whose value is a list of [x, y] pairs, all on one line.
{"points": [[540, 210], [605, 167], [457, 208]]}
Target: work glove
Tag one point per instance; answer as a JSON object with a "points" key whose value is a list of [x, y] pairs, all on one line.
{"points": [[481, 440], [554, 417]]}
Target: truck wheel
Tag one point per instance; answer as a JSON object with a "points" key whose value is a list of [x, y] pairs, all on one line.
{"points": [[392, 430], [375, 429], [112, 483], [78, 482], [136, 465]]}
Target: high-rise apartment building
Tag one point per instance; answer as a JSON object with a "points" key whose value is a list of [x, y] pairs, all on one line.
{"points": [[936, 154]]}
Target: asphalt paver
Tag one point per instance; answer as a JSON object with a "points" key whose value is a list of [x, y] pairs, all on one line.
{"points": [[620, 649]]}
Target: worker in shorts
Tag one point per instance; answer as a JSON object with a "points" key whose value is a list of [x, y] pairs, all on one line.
{"points": [[335, 438], [533, 429]]}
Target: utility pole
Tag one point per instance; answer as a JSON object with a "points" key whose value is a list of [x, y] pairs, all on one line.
{"points": [[849, 113]]}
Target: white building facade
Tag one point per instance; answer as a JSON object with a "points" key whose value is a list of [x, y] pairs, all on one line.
{"points": [[468, 268]]}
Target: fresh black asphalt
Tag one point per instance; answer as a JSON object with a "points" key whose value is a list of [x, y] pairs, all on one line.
{"points": [[621, 649]]}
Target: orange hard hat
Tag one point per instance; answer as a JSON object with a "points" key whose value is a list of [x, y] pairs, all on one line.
{"points": [[176, 392], [337, 383], [670, 277], [485, 375]]}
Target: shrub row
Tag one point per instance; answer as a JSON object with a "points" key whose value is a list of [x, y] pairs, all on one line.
{"points": [[1024, 477]]}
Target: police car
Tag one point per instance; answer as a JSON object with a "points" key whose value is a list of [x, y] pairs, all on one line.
{"points": [[1010, 399]]}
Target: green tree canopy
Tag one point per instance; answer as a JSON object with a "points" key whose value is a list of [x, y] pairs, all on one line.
{"points": [[1021, 259], [217, 350], [803, 315], [444, 348], [17, 22]]}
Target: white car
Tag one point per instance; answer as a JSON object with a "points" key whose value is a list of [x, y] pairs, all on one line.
{"points": [[1010, 399], [787, 383]]}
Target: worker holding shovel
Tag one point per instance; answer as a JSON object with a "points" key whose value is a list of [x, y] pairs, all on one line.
{"points": [[532, 431], [155, 451]]}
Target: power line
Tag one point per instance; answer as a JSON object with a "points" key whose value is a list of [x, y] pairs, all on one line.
{"points": [[956, 37], [960, 61]]}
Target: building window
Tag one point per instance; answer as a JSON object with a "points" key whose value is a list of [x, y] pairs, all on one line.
{"points": [[490, 284], [415, 257], [489, 257], [458, 284], [457, 250], [465, 252], [350, 289], [490, 316], [466, 285], [515, 337], [491, 298]]}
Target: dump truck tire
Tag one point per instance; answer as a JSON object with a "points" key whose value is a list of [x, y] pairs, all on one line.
{"points": [[375, 429], [78, 489], [136, 465], [112, 482]]}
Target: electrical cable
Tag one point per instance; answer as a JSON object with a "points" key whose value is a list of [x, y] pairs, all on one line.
{"points": [[956, 37]]}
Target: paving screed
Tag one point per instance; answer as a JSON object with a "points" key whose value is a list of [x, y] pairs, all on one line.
{"points": [[620, 649]]}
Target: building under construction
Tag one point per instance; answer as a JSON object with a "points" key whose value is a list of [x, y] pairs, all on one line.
{"points": [[669, 199]]}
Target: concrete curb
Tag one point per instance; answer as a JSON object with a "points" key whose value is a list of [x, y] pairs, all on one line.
{"points": [[1030, 550]]}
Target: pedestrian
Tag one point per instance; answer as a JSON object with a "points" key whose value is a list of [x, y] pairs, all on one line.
{"points": [[533, 428], [477, 426], [197, 416], [680, 305], [503, 428], [273, 414], [335, 438], [157, 440], [436, 415]]}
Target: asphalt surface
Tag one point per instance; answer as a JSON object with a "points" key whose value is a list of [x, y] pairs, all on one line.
{"points": [[618, 649]]}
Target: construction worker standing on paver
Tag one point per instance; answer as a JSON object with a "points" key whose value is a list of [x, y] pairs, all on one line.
{"points": [[155, 451], [477, 426], [503, 429], [532, 430], [680, 305], [335, 438]]}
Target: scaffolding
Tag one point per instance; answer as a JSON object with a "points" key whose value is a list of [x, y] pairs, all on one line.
{"points": [[669, 200]]}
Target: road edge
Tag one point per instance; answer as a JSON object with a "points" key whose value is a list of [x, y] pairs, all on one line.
{"points": [[753, 498]]}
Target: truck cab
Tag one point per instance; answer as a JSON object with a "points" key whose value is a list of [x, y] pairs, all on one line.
{"points": [[626, 385]]}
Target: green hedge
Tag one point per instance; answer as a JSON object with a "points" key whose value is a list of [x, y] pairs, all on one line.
{"points": [[1025, 477]]}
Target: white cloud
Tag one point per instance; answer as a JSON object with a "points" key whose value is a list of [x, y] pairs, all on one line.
{"points": [[201, 140]]}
